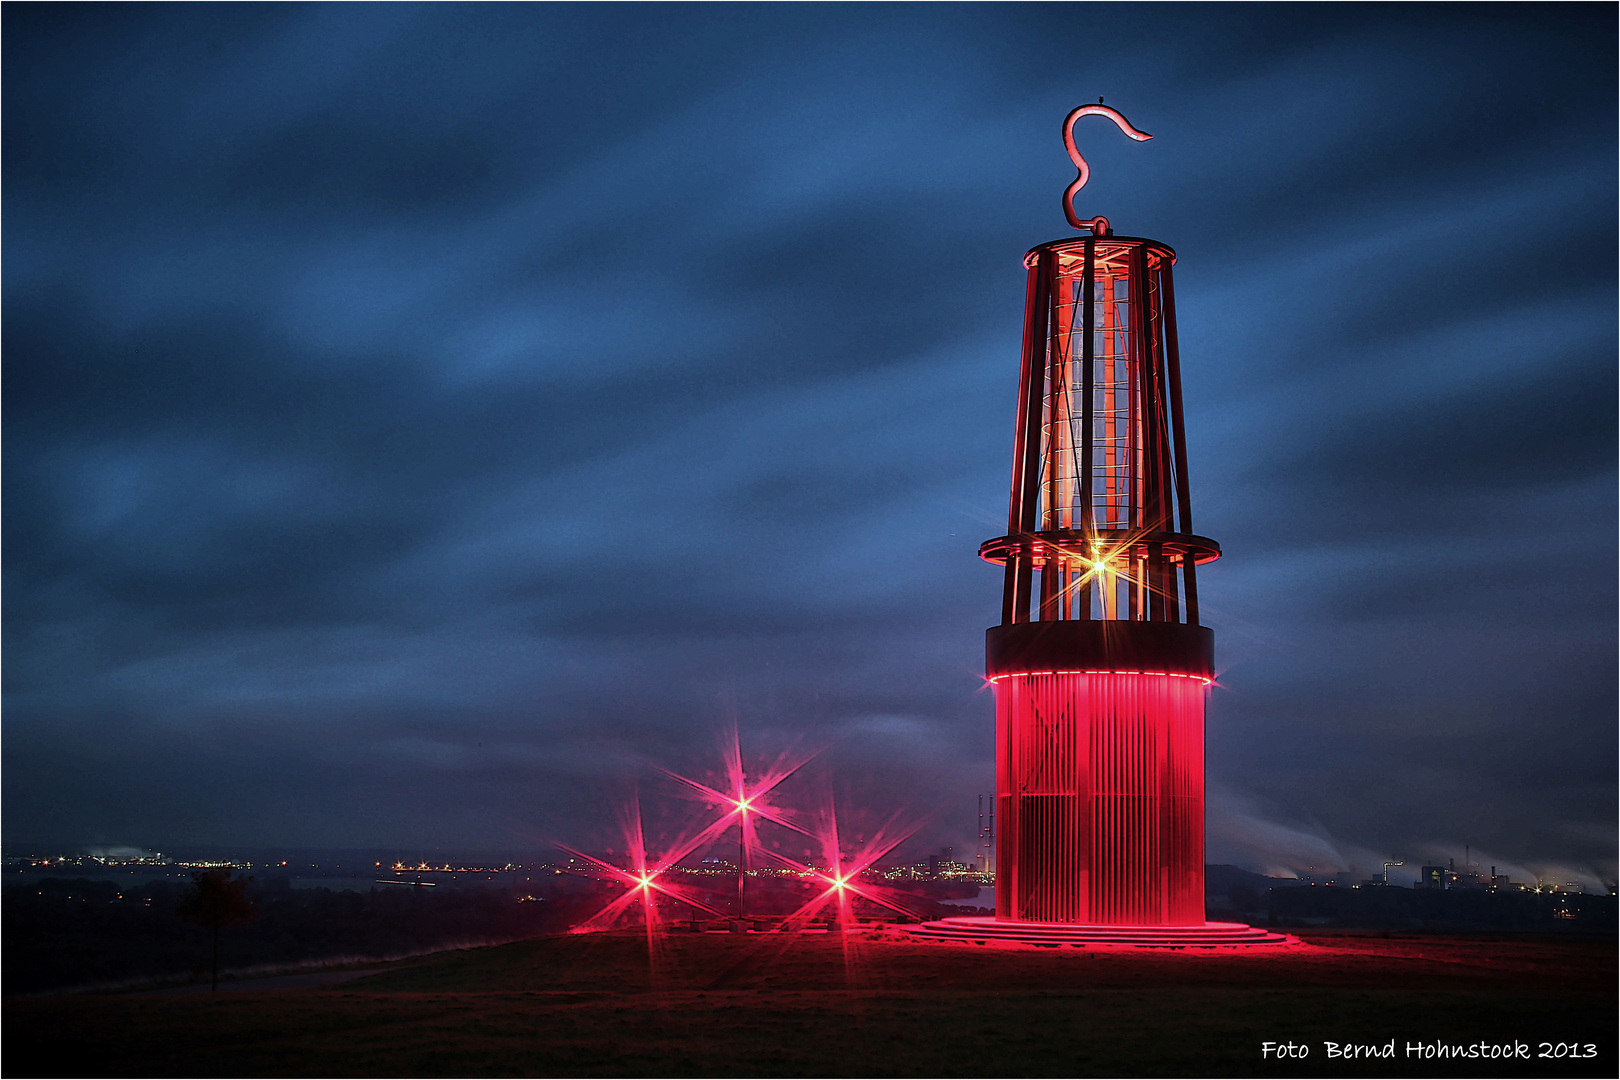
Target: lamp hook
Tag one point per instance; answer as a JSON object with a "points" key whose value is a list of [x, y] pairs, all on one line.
{"points": [[1098, 225]]}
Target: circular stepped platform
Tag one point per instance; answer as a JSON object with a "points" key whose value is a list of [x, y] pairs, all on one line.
{"points": [[983, 930]]}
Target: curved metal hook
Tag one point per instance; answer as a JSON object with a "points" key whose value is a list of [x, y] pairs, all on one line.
{"points": [[1096, 225]]}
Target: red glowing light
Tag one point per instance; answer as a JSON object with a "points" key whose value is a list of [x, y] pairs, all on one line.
{"points": [[644, 880], [1205, 679], [843, 876], [997, 933], [747, 799], [1100, 793]]}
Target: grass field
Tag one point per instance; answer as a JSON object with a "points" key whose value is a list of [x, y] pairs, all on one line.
{"points": [[682, 1004]]}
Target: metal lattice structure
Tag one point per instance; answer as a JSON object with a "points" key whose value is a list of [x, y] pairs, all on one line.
{"points": [[1100, 667]]}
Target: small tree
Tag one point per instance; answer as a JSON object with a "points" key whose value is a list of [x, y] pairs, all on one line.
{"points": [[217, 899]]}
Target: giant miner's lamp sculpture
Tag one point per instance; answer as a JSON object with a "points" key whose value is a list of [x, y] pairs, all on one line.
{"points": [[1100, 665]]}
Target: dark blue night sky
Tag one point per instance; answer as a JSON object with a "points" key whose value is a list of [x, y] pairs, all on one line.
{"points": [[419, 418]]}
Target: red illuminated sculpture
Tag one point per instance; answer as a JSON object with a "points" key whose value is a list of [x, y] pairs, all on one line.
{"points": [[1100, 665]]}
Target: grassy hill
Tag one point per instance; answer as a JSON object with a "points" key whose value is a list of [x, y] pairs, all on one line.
{"points": [[682, 1004]]}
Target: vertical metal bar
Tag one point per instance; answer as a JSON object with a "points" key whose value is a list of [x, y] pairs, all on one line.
{"points": [[1189, 575], [1025, 368], [1163, 574], [1152, 327], [1088, 277], [1173, 371], [1153, 440], [1088, 307], [1158, 470], [1060, 463], [1161, 420], [1051, 444], [1029, 502], [1142, 364], [1133, 583], [1016, 581], [1172, 591], [1052, 428], [1133, 397], [1050, 590], [1028, 496], [1060, 446], [1016, 589], [1142, 432], [742, 860], [1010, 590], [1155, 582], [1109, 363], [1158, 440]]}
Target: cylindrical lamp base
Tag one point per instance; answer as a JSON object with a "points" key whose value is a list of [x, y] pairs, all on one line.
{"points": [[1100, 794]]}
